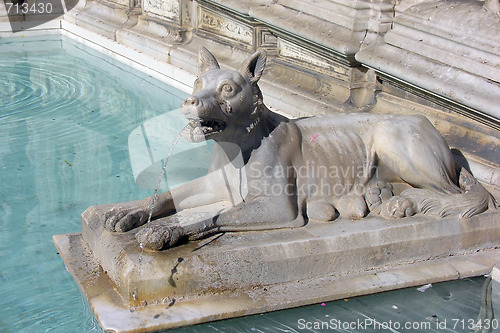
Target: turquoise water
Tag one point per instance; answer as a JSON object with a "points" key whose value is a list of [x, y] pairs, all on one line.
{"points": [[66, 114]]}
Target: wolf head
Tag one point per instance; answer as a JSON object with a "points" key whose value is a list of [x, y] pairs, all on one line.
{"points": [[225, 104]]}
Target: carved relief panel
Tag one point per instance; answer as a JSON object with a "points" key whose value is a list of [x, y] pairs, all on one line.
{"points": [[164, 8], [237, 30]]}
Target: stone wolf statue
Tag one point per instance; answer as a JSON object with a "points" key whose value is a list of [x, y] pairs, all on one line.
{"points": [[286, 172]]}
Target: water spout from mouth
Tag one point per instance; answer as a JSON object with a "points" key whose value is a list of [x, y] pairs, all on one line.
{"points": [[164, 167], [158, 183]]}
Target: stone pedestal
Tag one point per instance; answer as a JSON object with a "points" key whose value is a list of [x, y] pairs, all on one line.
{"points": [[235, 274]]}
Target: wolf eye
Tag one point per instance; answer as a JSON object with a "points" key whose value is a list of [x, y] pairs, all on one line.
{"points": [[226, 89]]}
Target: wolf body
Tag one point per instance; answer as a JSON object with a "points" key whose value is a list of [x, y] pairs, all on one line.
{"points": [[281, 173]]}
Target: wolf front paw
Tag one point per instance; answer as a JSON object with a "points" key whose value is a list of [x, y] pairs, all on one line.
{"points": [[122, 219], [160, 235]]}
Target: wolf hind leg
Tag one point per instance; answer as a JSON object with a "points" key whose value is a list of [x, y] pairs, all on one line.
{"points": [[415, 152], [381, 200], [378, 193], [396, 207]]}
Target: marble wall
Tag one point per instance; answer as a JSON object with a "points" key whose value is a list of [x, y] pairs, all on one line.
{"points": [[337, 53]]}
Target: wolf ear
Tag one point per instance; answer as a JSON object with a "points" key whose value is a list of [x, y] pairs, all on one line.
{"points": [[253, 67], [206, 61]]}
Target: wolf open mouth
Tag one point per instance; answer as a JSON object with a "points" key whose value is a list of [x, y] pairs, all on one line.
{"points": [[200, 129]]}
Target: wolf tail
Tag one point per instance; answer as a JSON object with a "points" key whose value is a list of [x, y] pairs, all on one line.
{"points": [[473, 199]]}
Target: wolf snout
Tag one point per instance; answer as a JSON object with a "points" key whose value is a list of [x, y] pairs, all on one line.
{"points": [[191, 101]]}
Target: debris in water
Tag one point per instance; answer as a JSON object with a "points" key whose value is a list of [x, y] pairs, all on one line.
{"points": [[424, 288], [68, 163], [433, 318]]}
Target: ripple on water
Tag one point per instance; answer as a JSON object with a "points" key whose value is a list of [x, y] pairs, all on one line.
{"points": [[30, 89]]}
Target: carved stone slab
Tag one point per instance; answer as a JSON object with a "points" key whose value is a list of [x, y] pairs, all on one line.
{"points": [[308, 59], [236, 274]]}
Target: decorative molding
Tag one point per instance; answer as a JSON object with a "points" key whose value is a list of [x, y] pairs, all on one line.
{"points": [[266, 40], [219, 23], [442, 101]]}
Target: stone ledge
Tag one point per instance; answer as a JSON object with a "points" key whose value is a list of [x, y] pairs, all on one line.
{"points": [[495, 272], [118, 316], [430, 30], [152, 37], [102, 18], [337, 39], [460, 56], [442, 83], [235, 274], [443, 52], [159, 69], [441, 18]]}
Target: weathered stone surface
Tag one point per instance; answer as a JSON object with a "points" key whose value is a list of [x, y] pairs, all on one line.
{"points": [[105, 18], [169, 9], [337, 163], [316, 47], [280, 256]]}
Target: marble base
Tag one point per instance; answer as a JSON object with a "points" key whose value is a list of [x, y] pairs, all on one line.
{"points": [[236, 274]]}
